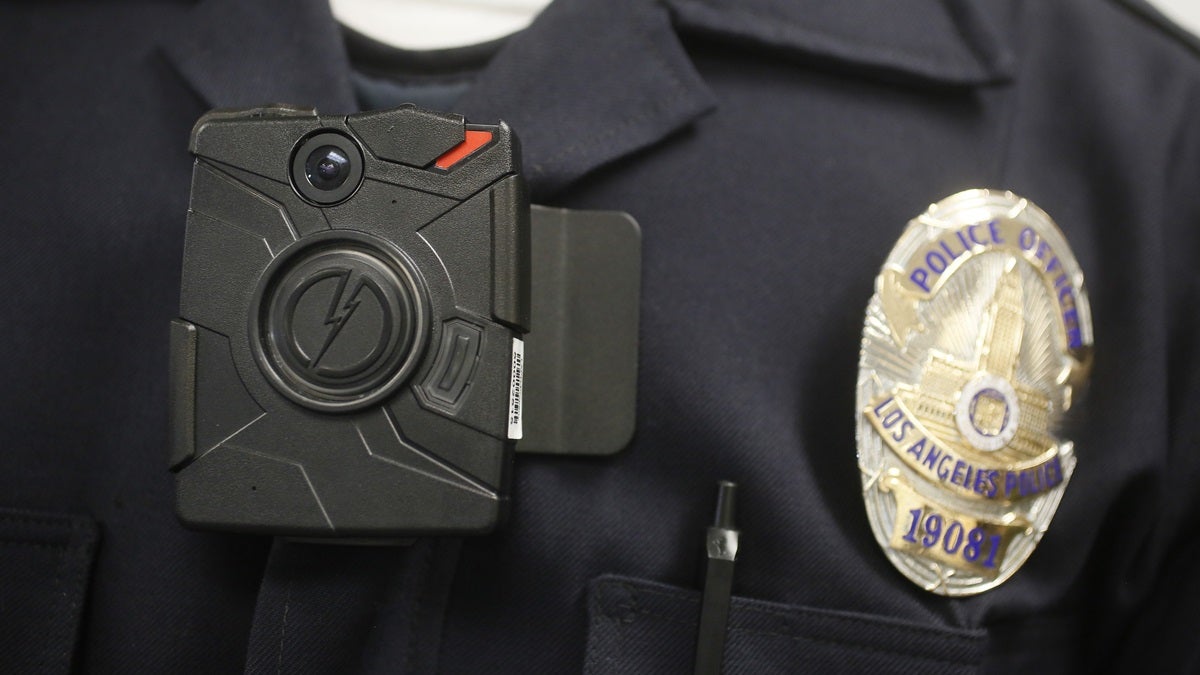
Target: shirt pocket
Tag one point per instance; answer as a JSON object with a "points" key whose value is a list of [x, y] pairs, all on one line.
{"points": [[45, 563], [638, 626]]}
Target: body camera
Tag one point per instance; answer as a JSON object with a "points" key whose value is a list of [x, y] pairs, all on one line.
{"points": [[348, 362]]}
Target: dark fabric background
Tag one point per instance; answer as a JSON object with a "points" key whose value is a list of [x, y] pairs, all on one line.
{"points": [[773, 152]]}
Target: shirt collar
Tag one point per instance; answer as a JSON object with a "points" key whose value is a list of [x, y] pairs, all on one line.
{"points": [[591, 81], [587, 83], [238, 54], [938, 42]]}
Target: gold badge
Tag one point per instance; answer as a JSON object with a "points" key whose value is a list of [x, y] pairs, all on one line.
{"points": [[976, 341]]}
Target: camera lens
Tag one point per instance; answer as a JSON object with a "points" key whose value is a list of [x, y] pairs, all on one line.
{"points": [[327, 168]]}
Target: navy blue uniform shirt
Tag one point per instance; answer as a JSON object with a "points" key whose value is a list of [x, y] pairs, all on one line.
{"points": [[773, 151]]}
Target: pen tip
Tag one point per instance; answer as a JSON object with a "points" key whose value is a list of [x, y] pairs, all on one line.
{"points": [[726, 507]]}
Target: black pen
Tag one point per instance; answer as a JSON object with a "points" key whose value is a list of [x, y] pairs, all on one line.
{"points": [[721, 545]]}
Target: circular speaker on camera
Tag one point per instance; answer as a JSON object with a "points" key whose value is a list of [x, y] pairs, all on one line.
{"points": [[341, 321]]}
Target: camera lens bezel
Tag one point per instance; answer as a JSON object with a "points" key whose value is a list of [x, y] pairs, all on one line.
{"points": [[303, 153]]}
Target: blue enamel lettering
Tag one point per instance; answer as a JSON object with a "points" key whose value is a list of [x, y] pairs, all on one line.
{"points": [[931, 457], [991, 560], [954, 538], [912, 529], [963, 240], [981, 484], [920, 277], [1027, 239], [1010, 483], [957, 478], [976, 240], [933, 530], [951, 255], [939, 266], [892, 418], [942, 471], [881, 406], [974, 545], [994, 228]]}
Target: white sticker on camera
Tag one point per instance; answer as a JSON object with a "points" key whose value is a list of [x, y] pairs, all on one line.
{"points": [[514, 391]]}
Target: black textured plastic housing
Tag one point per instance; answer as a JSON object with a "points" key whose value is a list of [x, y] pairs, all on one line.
{"points": [[346, 369]]}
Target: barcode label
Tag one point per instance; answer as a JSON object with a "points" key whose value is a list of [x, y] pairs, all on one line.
{"points": [[514, 391]]}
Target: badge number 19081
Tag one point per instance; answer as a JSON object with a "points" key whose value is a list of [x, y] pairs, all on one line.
{"points": [[975, 343]]}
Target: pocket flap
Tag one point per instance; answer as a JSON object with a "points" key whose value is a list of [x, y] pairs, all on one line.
{"points": [[638, 626], [45, 562]]}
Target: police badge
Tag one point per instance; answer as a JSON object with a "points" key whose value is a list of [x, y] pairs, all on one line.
{"points": [[975, 343]]}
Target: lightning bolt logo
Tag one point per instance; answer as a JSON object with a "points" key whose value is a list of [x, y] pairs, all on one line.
{"points": [[341, 307]]}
